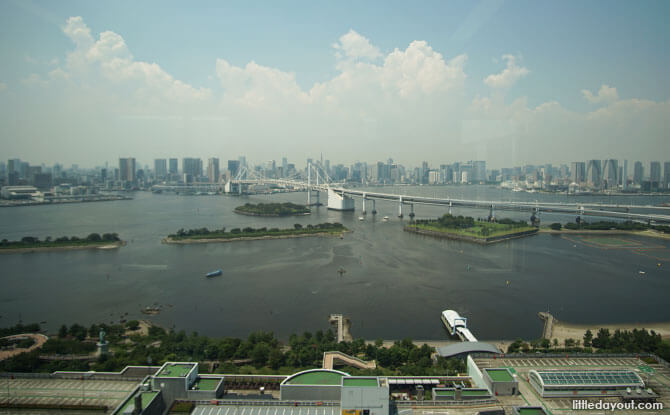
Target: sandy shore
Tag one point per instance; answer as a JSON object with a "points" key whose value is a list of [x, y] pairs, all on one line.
{"points": [[113, 245], [562, 330], [650, 233], [249, 238]]}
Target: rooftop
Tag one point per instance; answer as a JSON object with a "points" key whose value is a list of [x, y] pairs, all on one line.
{"points": [[531, 411], [147, 397], [206, 384], [589, 377], [500, 375], [175, 370], [316, 377], [365, 382]]}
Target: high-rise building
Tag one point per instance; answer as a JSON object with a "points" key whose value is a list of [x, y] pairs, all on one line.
{"points": [[594, 173], [611, 173], [666, 175], [127, 169], [191, 166], [655, 174], [174, 167], [233, 167], [160, 168], [213, 170], [578, 172], [638, 173], [624, 175], [13, 165]]}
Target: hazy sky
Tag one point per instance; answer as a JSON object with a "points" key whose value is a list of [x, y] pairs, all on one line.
{"points": [[508, 82]]}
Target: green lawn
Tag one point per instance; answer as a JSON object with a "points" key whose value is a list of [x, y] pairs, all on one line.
{"points": [[317, 378], [175, 371], [475, 393], [369, 382], [443, 393], [500, 375], [41, 244], [206, 384], [147, 397]]}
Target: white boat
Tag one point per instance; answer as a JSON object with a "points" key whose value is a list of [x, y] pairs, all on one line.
{"points": [[385, 218], [361, 218]]}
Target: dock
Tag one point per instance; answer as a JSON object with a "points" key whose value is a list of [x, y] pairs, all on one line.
{"points": [[343, 325], [548, 329]]}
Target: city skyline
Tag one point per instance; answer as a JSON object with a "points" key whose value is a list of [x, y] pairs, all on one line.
{"points": [[79, 83]]}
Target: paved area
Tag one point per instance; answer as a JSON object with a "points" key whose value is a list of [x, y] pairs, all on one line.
{"points": [[265, 410], [40, 339], [66, 392]]}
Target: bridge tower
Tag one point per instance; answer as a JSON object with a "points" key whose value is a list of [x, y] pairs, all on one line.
{"points": [[309, 184]]}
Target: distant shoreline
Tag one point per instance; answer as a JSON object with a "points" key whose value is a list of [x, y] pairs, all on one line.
{"points": [[270, 215], [102, 245], [169, 240]]}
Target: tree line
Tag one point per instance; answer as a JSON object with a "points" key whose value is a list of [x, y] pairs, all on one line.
{"points": [[33, 240]]}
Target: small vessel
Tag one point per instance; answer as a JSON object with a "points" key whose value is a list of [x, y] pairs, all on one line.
{"points": [[214, 273], [361, 218], [641, 272], [385, 218]]}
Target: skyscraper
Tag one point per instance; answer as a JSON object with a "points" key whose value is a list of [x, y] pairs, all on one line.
{"points": [[624, 175], [594, 173], [666, 175], [655, 174], [611, 173], [127, 169], [213, 170], [174, 169], [191, 166], [638, 173], [233, 167], [160, 168], [578, 172]]}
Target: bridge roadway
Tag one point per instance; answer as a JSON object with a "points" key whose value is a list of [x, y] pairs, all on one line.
{"points": [[584, 209]]}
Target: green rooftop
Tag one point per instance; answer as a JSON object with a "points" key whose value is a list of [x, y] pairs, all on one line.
{"points": [[500, 375], [531, 411], [443, 392], [366, 382], [147, 397], [319, 377], [590, 377], [175, 370], [206, 384]]}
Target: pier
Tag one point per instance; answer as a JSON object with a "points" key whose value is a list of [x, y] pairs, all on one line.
{"points": [[548, 324], [457, 326], [343, 325]]}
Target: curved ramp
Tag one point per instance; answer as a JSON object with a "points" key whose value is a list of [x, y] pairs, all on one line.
{"points": [[329, 359]]}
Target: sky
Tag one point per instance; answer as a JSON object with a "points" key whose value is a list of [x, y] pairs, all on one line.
{"points": [[509, 82]]}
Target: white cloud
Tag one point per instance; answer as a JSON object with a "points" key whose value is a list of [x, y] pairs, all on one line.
{"points": [[354, 46], [409, 104], [606, 94], [110, 59], [34, 80], [508, 76]]}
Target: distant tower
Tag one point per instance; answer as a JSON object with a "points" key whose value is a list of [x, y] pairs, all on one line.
{"points": [[103, 345]]}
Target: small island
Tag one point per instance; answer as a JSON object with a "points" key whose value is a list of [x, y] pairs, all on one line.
{"points": [[64, 243], [272, 209], [609, 227], [468, 229], [204, 235]]}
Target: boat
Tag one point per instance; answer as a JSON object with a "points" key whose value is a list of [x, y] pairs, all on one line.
{"points": [[361, 218], [641, 272], [385, 218], [214, 273]]}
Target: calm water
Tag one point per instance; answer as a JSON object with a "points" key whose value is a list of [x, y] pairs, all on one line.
{"points": [[395, 286]]}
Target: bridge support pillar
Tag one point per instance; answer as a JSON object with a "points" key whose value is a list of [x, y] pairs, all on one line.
{"points": [[400, 207], [364, 211], [450, 208], [492, 213], [374, 207], [411, 213]]}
